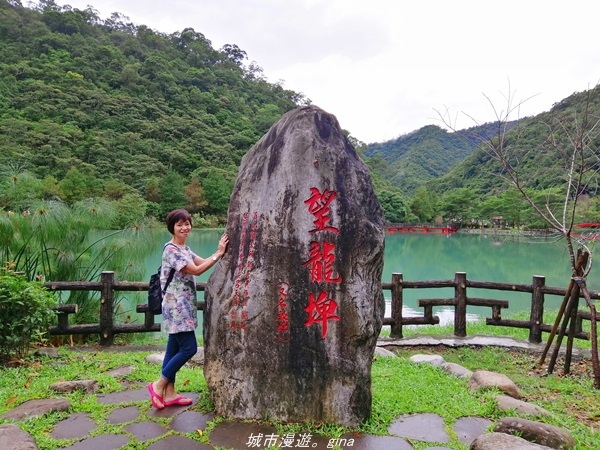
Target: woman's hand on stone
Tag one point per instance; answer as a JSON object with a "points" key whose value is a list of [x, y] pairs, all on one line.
{"points": [[222, 248]]}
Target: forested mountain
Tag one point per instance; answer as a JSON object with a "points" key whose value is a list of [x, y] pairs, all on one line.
{"points": [[144, 122], [456, 177], [415, 158], [106, 108], [540, 145]]}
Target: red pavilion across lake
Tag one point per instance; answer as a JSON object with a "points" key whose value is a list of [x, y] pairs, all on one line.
{"points": [[589, 225], [421, 229]]}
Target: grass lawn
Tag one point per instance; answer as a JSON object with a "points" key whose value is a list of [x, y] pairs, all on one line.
{"points": [[399, 387]]}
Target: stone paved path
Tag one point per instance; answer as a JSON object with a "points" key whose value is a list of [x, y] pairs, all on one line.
{"points": [[172, 427]]}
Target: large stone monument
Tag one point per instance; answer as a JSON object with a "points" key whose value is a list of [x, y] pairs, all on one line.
{"points": [[294, 308]]}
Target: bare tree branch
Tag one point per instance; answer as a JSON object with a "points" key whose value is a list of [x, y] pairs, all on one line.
{"points": [[569, 136]]}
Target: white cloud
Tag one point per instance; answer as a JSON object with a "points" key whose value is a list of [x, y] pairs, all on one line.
{"points": [[382, 67]]}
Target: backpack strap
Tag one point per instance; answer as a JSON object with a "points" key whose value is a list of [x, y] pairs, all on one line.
{"points": [[169, 279], [171, 272]]}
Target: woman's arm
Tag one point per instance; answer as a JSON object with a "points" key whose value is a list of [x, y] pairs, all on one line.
{"points": [[200, 265]]}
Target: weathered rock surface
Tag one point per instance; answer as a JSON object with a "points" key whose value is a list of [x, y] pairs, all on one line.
{"points": [[121, 372], [380, 351], [485, 379], [437, 360], [70, 386], [538, 432], [294, 308], [507, 403], [426, 427], [34, 408], [468, 428], [76, 426], [434, 360], [457, 370], [13, 438], [501, 441], [50, 352]]}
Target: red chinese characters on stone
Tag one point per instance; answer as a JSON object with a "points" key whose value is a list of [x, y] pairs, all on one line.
{"points": [[321, 310], [283, 320], [321, 262], [239, 313], [318, 205]]}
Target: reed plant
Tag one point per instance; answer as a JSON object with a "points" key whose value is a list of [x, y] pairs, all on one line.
{"points": [[55, 242]]}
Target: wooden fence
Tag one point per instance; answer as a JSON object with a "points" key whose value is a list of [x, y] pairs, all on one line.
{"points": [[107, 286]]}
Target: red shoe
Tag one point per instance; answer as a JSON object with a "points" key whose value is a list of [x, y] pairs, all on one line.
{"points": [[179, 401], [154, 397]]}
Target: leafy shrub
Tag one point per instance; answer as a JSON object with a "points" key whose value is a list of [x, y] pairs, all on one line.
{"points": [[25, 312]]}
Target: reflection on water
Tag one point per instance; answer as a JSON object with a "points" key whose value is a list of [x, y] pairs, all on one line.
{"points": [[485, 258], [445, 314], [507, 259]]}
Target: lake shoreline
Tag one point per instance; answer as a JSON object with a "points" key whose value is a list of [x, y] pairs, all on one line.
{"points": [[505, 232]]}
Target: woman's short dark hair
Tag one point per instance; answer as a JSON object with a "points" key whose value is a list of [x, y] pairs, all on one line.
{"points": [[175, 216]]}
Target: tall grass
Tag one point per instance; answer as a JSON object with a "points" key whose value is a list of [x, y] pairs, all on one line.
{"points": [[55, 242]]}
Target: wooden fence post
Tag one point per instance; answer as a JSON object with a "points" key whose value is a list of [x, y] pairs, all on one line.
{"points": [[107, 334], [536, 318], [108, 329], [396, 328], [460, 308]]}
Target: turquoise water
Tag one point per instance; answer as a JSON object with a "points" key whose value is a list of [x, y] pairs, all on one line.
{"points": [[509, 259], [506, 259]]}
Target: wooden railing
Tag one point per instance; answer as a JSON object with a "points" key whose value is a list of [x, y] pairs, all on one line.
{"points": [[107, 286]]}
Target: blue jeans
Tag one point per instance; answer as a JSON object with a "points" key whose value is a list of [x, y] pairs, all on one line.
{"points": [[180, 349]]}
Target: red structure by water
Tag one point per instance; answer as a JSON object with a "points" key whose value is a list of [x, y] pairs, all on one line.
{"points": [[421, 229], [591, 231], [589, 225]]}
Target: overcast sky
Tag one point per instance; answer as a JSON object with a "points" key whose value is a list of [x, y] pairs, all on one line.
{"points": [[383, 67]]}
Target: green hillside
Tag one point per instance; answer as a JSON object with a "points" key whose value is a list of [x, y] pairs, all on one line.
{"points": [[454, 177], [540, 146], [140, 122], [109, 109], [414, 159]]}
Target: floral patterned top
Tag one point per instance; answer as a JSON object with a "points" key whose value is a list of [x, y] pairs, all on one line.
{"points": [[179, 302]]}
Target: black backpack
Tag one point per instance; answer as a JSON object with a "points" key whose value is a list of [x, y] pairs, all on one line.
{"points": [[155, 293]]}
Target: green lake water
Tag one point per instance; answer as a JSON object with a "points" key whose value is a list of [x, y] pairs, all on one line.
{"points": [[508, 259]]}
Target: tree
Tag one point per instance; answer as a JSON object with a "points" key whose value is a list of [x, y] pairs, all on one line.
{"points": [[512, 207], [458, 205], [122, 103], [131, 209], [116, 189], [395, 208], [196, 199], [152, 190], [572, 136], [74, 186], [509, 205], [235, 54], [218, 190], [171, 192], [424, 204], [589, 209]]}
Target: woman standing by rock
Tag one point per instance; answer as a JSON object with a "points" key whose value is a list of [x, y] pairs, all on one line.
{"points": [[179, 305]]}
